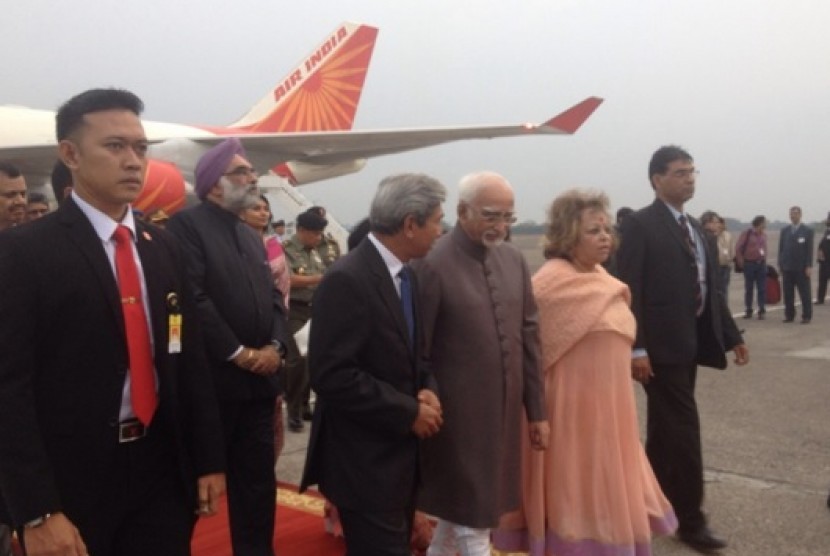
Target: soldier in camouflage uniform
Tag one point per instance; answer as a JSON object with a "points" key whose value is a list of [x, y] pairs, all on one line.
{"points": [[328, 249], [307, 269]]}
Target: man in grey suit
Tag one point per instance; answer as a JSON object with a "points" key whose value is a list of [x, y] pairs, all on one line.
{"points": [[795, 259], [481, 340], [682, 322]]}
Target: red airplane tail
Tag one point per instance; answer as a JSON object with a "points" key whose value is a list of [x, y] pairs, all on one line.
{"points": [[321, 93]]}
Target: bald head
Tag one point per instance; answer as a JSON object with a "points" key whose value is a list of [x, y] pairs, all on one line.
{"points": [[472, 186]]}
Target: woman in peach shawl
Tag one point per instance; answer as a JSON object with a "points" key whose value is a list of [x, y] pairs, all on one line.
{"points": [[592, 492]]}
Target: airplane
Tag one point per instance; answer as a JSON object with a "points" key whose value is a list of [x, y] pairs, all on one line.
{"points": [[301, 130]]}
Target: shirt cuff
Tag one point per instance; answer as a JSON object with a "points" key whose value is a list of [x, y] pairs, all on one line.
{"points": [[639, 352], [235, 353]]}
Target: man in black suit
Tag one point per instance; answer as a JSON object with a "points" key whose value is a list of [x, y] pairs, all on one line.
{"points": [[682, 322], [795, 259], [105, 441], [375, 398], [823, 258], [243, 317]]}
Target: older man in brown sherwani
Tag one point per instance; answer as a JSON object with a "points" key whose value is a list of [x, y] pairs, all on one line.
{"points": [[481, 339]]}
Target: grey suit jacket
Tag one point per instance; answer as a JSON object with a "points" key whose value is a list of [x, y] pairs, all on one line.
{"points": [[795, 248]]}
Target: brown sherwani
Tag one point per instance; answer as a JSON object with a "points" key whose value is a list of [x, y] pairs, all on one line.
{"points": [[481, 337]]}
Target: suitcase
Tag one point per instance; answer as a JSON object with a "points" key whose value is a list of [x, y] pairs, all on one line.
{"points": [[773, 293]]}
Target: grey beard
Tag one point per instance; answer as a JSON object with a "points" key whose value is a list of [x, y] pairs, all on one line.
{"points": [[234, 198]]}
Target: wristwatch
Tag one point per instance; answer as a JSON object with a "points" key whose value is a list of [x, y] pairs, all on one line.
{"points": [[36, 522], [279, 347]]}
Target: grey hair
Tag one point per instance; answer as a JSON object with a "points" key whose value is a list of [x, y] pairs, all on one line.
{"points": [[471, 185], [402, 195]]}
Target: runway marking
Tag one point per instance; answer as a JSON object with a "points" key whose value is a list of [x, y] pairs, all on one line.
{"points": [[818, 352], [758, 483]]}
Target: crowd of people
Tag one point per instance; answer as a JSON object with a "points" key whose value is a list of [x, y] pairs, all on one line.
{"points": [[749, 255], [450, 381]]}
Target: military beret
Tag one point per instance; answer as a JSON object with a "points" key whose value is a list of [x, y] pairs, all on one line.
{"points": [[311, 221]]}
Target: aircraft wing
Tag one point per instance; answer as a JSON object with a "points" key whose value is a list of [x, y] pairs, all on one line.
{"points": [[266, 150], [329, 147], [35, 161]]}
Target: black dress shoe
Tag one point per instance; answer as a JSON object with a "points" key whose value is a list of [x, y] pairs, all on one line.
{"points": [[702, 540], [295, 425], [805, 321], [788, 320], [307, 414]]}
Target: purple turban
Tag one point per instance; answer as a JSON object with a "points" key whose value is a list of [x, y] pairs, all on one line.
{"points": [[214, 163]]}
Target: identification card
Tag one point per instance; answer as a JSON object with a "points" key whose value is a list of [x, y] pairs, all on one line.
{"points": [[174, 324], [174, 333]]}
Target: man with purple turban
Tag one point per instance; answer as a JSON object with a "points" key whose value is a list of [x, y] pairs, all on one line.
{"points": [[243, 318]]}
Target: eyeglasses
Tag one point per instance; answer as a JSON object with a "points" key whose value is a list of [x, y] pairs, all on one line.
{"points": [[685, 173], [494, 217], [242, 172]]}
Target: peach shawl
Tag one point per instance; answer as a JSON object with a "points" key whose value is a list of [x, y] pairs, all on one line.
{"points": [[572, 304]]}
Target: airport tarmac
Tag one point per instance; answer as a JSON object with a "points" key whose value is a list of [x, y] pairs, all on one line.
{"points": [[766, 439]]}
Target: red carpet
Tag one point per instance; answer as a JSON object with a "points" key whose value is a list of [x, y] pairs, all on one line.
{"points": [[299, 528]]}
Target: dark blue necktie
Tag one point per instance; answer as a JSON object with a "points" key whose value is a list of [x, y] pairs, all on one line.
{"points": [[406, 303]]}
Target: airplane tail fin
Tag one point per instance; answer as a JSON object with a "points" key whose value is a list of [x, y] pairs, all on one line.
{"points": [[322, 92]]}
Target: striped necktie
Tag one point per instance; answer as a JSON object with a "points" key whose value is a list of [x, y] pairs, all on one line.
{"points": [[690, 243]]}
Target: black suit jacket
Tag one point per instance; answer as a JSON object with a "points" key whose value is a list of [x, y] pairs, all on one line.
{"points": [[795, 248], [64, 360], [656, 263], [235, 292], [824, 247], [362, 451]]}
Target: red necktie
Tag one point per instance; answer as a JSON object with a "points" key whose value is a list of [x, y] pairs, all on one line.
{"points": [[142, 381]]}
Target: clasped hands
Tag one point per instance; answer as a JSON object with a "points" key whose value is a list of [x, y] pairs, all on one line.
{"points": [[430, 418], [263, 361]]}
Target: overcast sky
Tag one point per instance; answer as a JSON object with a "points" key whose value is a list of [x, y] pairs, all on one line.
{"points": [[744, 85]]}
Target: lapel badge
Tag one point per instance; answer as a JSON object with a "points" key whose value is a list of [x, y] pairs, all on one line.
{"points": [[173, 302], [147, 236]]}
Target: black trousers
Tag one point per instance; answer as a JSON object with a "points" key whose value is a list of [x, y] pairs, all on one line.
{"points": [[673, 441], [377, 533], [142, 506], [249, 440], [5, 540], [792, 280], [823, 278]]}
